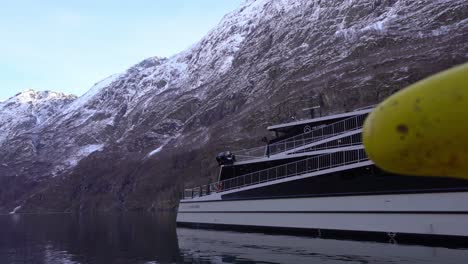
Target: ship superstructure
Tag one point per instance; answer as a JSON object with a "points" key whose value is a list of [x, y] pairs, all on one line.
{"points": [[316, 177]]}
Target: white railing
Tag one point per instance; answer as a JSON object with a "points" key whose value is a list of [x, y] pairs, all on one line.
{"points": [[347, 141], [316, 163], [334, 129], [365, 107], [340, 127]]}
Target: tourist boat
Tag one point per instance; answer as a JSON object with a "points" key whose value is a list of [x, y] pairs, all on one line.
{"points": [[315, 178]]}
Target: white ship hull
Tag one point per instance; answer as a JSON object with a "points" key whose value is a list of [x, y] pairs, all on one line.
{"points": [[444, 214]]}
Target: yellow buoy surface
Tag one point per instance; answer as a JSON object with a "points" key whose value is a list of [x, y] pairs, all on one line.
{"points": [[423, 129]]}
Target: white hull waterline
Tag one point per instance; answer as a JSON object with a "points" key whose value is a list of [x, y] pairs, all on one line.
{"points": [[427, 214]]}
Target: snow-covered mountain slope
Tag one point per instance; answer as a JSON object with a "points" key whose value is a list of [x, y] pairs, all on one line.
{"points": [[136, 137], [209, 58], [28, 110], [120, 103]]}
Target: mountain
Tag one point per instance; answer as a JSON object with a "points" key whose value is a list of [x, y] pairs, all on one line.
{"points": [[138, 137], [28, 110]]}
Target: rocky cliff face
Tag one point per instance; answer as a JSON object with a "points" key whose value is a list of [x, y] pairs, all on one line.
{"points": [[137, 137]]}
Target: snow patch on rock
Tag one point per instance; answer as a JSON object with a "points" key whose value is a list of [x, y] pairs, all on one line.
{"points": [[15, 209], [83, 152], [88, 96], [155, 151]]}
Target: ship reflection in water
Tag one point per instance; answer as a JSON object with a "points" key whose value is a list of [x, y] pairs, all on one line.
{"points": [[151, 238], [198, 245]]}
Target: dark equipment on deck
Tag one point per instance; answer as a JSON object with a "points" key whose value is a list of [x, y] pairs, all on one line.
{"points": [[225, 158]]}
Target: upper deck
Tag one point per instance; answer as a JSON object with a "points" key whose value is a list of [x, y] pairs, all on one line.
{"points": [[319, 121], [306, 136]]}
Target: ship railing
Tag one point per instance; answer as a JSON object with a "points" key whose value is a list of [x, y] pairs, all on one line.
{"points": [[191, 193], [347, 141], [200, 191], [315, 135], [365, 107], [334, 129], [308, 165]]}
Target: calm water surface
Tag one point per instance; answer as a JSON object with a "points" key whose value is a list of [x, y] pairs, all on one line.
{"points": [[146, 238]]}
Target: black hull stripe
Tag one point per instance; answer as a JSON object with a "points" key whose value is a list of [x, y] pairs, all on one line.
{"points": [[323, 212], [430, 191], [449, 241]]}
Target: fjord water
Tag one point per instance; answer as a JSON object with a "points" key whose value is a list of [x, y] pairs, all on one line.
{"points": [[154, 238]]}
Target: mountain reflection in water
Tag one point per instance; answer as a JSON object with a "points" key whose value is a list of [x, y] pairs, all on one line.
{"points": [[154, 238]]}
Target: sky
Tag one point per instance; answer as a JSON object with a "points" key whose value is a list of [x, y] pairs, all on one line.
{"points": [[70, 45]]}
